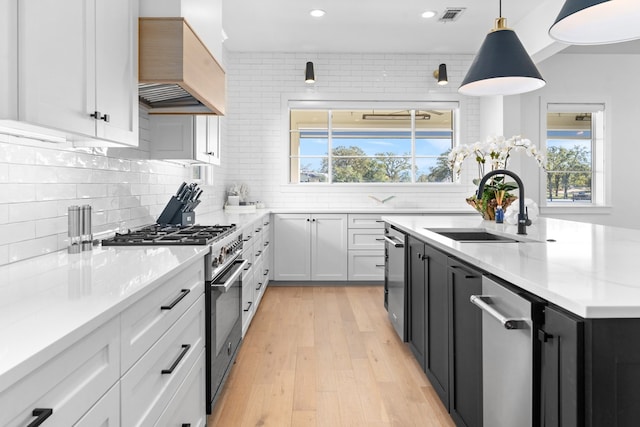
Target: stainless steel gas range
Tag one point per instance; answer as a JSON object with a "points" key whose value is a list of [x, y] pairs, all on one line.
{"points": [[223, 288]]}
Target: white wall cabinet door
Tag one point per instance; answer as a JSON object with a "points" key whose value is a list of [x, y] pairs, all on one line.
{"points": [[292, 243], [329, 247], [185, 137], [77, 63], [116, 56]]}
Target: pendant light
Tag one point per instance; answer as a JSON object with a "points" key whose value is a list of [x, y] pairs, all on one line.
{"points": [[502, 66], [309, 75], [589, 22]]}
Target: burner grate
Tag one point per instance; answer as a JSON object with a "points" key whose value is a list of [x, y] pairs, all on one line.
{"points": [[171, 235]]}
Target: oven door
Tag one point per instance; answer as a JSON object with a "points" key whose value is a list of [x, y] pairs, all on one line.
{"points": [[224, 326]]}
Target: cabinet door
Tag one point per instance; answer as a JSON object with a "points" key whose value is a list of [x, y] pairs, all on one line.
{"points": [[292, 242], [104, 413], [116, 54], [561, 369], [57, 64], [437, 323], [329, 247], [211, 150], [465, 346], [172, 136], [417, 332]]}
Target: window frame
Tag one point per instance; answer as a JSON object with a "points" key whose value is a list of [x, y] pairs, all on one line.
{"points": [[600, 154], [332, 105]]}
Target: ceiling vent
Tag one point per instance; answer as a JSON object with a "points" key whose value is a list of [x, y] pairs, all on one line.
{"points": [[451, 14]]}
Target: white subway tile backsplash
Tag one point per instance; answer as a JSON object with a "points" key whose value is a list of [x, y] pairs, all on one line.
{"points": [[30, 248], [4, 172], [51, 226], [21, 212], [14, 193], [56, 191], [11, 233]]}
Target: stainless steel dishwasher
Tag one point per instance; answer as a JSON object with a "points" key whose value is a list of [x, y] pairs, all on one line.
{"points": [[394, 279], [509, 355]]}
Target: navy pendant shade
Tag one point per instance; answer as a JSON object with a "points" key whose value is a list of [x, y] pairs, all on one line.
{"points": [[590, 22], [501, 67]]}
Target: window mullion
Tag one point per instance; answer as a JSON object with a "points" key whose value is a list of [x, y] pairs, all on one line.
{"points": [[413, 147], [330, 146]]}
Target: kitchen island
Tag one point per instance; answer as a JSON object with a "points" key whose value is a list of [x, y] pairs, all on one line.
{"points": [[586, 269], [578, 358]]}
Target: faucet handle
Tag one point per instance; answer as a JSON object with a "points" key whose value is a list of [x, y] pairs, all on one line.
{"points": [[527, 221]]}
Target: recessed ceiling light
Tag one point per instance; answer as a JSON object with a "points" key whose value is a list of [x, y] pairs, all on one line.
{"points": [[317, 13], [428, 14]]}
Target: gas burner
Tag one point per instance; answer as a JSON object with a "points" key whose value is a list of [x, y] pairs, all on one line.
{"points": [[171, 235]]}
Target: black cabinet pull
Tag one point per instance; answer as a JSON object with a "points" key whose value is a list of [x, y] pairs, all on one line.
{"points": [[467, 275], [185, 349], [96, 115], [248, 307], [183, 293], [380, 240], [266, 244], [105, 118], [42, 414], [248, 266], [422, 257], [258, 253], [543, 336], [186, 425], [379, 265], [266, 223], [209, 153], [259, 286], [379, 221], [266, 272]]}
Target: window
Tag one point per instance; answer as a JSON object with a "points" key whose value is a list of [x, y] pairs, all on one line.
{"points": [[575, 139], [365, 145]]}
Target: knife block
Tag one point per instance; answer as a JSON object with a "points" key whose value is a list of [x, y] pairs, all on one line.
{"points": [[171, 214]]}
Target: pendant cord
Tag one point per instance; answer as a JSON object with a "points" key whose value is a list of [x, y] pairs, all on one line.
{"points": [[500, 15]]}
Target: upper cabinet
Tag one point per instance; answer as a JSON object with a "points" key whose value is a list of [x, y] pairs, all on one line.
{"points": [[76, 75], [193, 139]]}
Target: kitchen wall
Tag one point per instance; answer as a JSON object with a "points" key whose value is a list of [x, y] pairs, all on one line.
{"points": [[38, 181], [260, 85], [614, 80]]}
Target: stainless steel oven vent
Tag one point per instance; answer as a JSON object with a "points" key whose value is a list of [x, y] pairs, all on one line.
{"points": [[159, 95]]}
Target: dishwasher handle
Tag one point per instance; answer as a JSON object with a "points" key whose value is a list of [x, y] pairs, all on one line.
{"points": [[479, 301], [397, 243]]}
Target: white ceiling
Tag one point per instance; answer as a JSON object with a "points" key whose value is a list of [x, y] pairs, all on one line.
{"points": [[368, 26]]}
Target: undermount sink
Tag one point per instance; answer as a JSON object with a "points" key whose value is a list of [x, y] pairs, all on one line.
{"points": [[476, 235]]}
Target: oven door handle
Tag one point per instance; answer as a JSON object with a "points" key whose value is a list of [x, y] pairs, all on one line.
{"points": [[239, 266]]}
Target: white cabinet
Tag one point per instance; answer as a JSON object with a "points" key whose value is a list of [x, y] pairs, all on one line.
{"points": [[104, 413], [366, 247], [310, 247], [68, 384], [185, 137], [151, 383], [256, 251], [187, 408], [144, 322], [77, 68]]}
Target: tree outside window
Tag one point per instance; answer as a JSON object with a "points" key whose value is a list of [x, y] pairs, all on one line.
{"points": [[370, 146]]}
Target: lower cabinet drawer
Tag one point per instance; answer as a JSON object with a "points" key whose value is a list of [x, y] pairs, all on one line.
{"points": [[366, 238], [69, 384], [104, 413], [151, 383], [366, 265], [248, 299], [146, 320], [188, 405]]}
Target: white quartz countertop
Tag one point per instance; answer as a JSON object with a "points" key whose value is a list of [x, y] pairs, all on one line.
{"points": [[588, 269], [48, 302]]}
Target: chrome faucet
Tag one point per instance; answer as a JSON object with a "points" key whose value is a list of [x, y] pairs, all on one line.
{"points": [[523, 215]]}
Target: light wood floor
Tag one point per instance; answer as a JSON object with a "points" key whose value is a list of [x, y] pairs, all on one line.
{"points": [[326, 356]]}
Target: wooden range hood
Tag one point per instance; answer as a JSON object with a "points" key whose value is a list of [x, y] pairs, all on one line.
{"points": [[177, 74]]}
